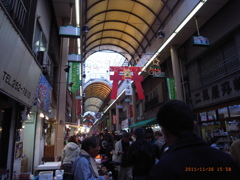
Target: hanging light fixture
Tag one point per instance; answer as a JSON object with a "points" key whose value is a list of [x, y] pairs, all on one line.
{"points": [[85, 29], [160, 34]]}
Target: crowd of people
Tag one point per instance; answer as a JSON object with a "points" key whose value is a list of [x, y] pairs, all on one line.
{"points": [[174, 153]]}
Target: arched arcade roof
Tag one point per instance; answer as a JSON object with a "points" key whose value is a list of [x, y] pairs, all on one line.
{"points": [[95, 93]]}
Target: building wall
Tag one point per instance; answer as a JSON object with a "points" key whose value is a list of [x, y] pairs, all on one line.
{"points": [[219, 29], [151, 103], [20, 62]]}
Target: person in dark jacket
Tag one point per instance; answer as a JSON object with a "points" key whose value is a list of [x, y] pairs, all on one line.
{"points": [[141, 155], [107, 137], [106, 155], [189, 156]]}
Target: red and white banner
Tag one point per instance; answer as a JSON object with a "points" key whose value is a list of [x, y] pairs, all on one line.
{"points": [[130, 73]]}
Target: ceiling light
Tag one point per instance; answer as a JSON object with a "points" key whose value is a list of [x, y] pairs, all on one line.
{"points": [[160, 34], [85, 29]]}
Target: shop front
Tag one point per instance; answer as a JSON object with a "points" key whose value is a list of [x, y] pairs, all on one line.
{"points": [[218, 108], [20, 75], [220, 125]]}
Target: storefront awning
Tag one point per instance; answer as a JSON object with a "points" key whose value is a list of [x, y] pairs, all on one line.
{"points": [[144, 123]]}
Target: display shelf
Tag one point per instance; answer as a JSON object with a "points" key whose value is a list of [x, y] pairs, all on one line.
{"points": [[223, 142]]}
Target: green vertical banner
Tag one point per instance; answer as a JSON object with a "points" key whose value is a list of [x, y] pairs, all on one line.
{"points": [[74, 76], [171, 88]]}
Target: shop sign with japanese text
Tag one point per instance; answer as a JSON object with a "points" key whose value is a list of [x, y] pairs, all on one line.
{"points": [[223, 90]]}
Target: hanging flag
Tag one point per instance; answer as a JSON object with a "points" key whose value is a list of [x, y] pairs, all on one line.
{"points": [[114, 119], [128, 87], [43, 96], [171, 88], [74, 76]]}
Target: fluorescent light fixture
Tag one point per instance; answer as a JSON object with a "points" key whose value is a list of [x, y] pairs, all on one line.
{"points": [[77, 9], [194, 11], [185, 21], [78, 44]]}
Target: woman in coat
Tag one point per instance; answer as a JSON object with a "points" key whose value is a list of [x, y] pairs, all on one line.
{"points": [[69, 153]]}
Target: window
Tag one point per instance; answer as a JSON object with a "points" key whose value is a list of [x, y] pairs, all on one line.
{"points": [[39, 42], [211, 115], [203, 116], [234, 111], [223, 113], [146, 98], [140, 109], [151, 99], [155, 93], [219, 63]]}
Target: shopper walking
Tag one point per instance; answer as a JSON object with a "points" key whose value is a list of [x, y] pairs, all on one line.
{"points": [[121, 155], [69, 154], [141, 155], [85, 166], [189, 156], [70, 151], [108, 137], [160, 142]]}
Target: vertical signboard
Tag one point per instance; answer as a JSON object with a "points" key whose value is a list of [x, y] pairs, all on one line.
{"points": [[125, 124], [74, 76], [43, 96], [171, 88], [128, 91]]}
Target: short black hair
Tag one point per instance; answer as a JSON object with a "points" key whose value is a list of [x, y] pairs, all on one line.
{"points": [[104, 144], [125, 134], [89, 141], [158, 133], [139, 132], [176, 117]]}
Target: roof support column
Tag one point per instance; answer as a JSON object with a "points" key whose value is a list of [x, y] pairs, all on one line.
{"points": [[117, 118], [73, 112], [61, 99], [134, 106], [176, 72], [110, 119]]}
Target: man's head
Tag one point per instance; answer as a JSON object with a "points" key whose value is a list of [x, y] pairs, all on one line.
{"points": [[125, 137], [105, 131], [157, 135], [176, 117], [91, 145], [72, 139], [104, 144], [139, 133]]}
